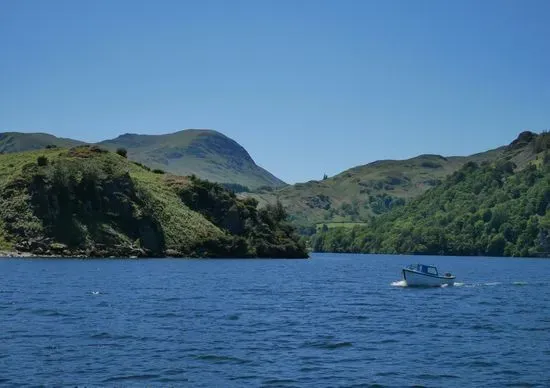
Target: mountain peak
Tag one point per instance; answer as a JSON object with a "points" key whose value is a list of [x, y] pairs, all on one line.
{"points": [[206, 153]]}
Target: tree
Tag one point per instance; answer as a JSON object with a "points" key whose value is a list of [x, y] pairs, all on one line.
{"points": [[42, 161], [325, 177], [122, 152]]}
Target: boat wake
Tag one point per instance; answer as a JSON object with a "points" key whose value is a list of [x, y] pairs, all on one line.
{"points": [[403, 283], [489, 284], [400, 283]]}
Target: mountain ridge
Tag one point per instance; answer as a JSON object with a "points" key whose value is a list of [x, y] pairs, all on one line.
{"points": [[361, 192], [206, 153]]}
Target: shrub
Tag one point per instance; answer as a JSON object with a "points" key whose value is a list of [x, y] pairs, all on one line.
{"points": [[122, 152], [430, 164], [42, 160], [159, 171], [98, 149], [142, 166], [51, 146]]}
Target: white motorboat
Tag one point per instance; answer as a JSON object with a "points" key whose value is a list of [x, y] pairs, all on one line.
{"points": [[421, 275]]}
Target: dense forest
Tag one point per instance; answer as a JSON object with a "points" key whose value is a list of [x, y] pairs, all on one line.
{"points": [[492, 208]]}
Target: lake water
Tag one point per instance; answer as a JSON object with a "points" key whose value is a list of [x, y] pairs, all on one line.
{"points": [[334, 320]]}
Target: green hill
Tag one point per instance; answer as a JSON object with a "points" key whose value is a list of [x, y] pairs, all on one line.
{"points": [[359, 193], [91, 202], [18, 142], [497, 208], [205, 153]]}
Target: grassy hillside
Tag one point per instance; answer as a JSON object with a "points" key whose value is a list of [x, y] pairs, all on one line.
{"points": [[362, 192], [493, 208], [18, 142], [88, 201], [204, 153], [359, 193]]}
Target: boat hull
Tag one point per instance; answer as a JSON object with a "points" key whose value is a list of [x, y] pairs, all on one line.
{"points": [[415, 279]]}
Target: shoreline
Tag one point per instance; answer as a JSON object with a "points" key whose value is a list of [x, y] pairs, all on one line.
{"points": [[29, 255]]}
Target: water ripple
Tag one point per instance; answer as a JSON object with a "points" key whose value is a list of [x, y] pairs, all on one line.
{"points": [[341, 321]]}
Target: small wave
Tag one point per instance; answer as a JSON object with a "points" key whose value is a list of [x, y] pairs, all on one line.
{"points": [[329, 345], [244, 377], [429, 376], [536, 329], [165, 315], [482, 364], [171, 299], [279, 381], [508, 373], [458, 284], [492, 284], [102, 335], [311, 369], [387, 374], [218, 359], [400, 283], [233, 317], [130, 377], [387, 341], [95, 292], [49, 313], [520, 283]]}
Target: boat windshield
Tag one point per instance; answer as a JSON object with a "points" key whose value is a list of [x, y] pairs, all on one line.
{"points": [[429, 269]]}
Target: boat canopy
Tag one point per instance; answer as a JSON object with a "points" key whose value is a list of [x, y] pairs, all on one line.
{"points": [[429, 269]]}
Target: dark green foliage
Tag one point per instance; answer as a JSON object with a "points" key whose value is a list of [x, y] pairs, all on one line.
{"points": [[265, 188], [42, 161], [159, 171], [96, 149], [51, 146], [75, 202], [542, 142], [383, 203], [122, 152], [479, 210], [235, 187], [265, 232], [142, 166], [430, 164]]}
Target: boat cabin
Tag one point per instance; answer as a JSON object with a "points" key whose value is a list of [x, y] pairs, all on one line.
{"points": [[427, 269]]}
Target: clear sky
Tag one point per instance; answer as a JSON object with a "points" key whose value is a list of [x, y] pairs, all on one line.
{"points": [[307, 87]]}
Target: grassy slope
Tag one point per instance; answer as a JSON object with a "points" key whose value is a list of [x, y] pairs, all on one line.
{"points": [[135, 209], [17, 142], [361, 192], [163, 201], [205, 153]]}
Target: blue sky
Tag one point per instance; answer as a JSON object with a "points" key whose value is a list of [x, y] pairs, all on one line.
{"points": [[307, 87]]}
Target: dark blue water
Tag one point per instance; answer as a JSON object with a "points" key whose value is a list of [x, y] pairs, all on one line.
{"points": [[335, 320]]}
